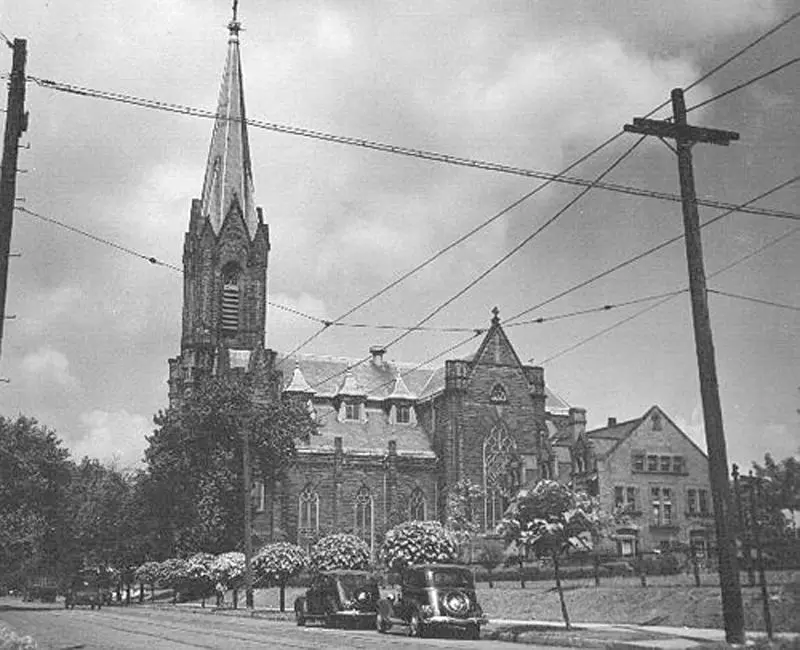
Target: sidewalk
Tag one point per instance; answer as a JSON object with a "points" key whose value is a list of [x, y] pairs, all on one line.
{"points": [[604, 636], [615, 636]]}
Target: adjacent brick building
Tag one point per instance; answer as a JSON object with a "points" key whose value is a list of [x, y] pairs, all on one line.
{"points": [[392, 437]]}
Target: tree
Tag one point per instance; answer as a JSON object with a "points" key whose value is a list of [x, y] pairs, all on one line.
{"points": [[228, 571], [173, 574], [194, 461], [490, 555], [35, 473], [277, 563], [417, 542], [779, 492], [148, 573], [461, 516], [340, 551], [548, 519], [200, 575]]}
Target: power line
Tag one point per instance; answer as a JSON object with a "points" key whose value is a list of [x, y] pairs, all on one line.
{"points": [[736, 262], [745, 84], [646, 253], [395, 149], [505, 257], [751, 299]]}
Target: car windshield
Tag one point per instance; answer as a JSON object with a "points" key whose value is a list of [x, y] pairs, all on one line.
{"points": [[350, 585], [453, 578]]}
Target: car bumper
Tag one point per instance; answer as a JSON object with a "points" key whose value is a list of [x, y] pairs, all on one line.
{"points": [[456, 622], [355, 614]]}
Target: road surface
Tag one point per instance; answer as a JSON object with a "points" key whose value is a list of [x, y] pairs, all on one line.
{"points": [[182, 628]]}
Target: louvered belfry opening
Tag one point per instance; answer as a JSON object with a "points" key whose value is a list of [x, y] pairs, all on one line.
{"points": [[230, 300]]}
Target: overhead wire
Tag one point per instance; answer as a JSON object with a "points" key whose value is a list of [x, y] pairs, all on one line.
{"points": [[744, 84], [645, 253], [760, 301], [641, 312], [505, 257], [396, 149]]}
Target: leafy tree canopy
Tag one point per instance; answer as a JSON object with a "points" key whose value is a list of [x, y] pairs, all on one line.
{"points": [[340, 551], [194, 460], [417, 542]]}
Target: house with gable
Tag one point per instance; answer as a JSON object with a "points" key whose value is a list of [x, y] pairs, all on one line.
{"points": [[652, 475]]}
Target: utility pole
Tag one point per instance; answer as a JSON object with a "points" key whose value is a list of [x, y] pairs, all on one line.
{"points": [[685, 136], [16, 125], [248, 520]]}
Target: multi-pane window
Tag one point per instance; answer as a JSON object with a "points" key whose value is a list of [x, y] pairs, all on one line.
{"points": [[652, 463], [625, 497], [308, 516], [638, 462], [416, 505], [661, 500], [691, 501], [702, 501], [677, 465], [352, 411], [363, 515], [500, 473], [666, 463], [403, 414]]}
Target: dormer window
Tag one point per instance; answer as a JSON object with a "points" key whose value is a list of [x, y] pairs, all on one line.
{"points": [[403, 414], [230, 299], [498, 395], [352, 411]]}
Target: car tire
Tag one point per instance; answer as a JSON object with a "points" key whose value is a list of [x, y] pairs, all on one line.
{"points": [[416, 626]]}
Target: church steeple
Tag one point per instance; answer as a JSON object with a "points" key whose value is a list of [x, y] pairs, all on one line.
{"points": [[228, 183], [226, 248]]}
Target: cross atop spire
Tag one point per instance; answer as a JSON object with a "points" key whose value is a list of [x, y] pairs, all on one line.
{"points": [[228, 184], [234, 26]]}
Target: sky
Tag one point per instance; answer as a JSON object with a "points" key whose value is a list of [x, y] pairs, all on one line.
{"points": [[530, 84]]}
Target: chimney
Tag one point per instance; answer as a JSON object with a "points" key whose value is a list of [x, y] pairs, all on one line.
{"points": [[377, 352], [612, 422]]}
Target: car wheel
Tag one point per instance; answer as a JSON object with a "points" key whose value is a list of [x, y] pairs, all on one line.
{"points": [[416, 627]]}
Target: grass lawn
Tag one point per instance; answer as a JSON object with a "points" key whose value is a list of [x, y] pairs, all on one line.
{"points": [[665, 601]]}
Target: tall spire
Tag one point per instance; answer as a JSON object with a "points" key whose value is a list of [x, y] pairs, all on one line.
{"points": [[228, 181]]}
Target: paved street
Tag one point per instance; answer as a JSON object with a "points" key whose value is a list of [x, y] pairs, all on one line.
{"points": [[133, 628]]}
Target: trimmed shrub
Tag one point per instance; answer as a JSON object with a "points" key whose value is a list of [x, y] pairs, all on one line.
{"points": [[417, 542], [340, 551]]}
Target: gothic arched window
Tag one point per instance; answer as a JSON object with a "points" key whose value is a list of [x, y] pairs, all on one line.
{"points": [[363, 515], [231, 298], [416, 505], [500, 473], [308, 513]]}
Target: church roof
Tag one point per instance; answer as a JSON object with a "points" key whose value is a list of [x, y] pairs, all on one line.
{"points": [[401, 390], [327, 375], [228, 180]]}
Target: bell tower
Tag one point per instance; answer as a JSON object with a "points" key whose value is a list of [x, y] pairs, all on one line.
{"points": [[225, 250]]}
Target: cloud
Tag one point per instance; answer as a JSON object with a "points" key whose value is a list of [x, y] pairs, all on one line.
{"points": [[112, 437], [48, 366]]}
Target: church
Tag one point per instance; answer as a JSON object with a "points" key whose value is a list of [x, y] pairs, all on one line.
{"points": [[392, 437]]}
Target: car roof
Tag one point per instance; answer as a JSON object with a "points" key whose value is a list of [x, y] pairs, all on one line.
{"points": [[422, 567]]}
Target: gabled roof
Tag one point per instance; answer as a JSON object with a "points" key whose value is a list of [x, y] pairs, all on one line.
{"points": [[298, 383], [615, 435], [228, 183], [401, 390], [350, 387]]}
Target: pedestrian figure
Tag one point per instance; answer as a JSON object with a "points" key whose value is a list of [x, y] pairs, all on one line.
{"points": [[220, 589]]}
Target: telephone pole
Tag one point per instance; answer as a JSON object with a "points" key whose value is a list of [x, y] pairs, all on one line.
{"points": [[685, 136], [16, 124]]}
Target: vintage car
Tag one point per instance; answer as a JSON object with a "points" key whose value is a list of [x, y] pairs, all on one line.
{"points": [[86, 589], [339, 598], [433, 596]]}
